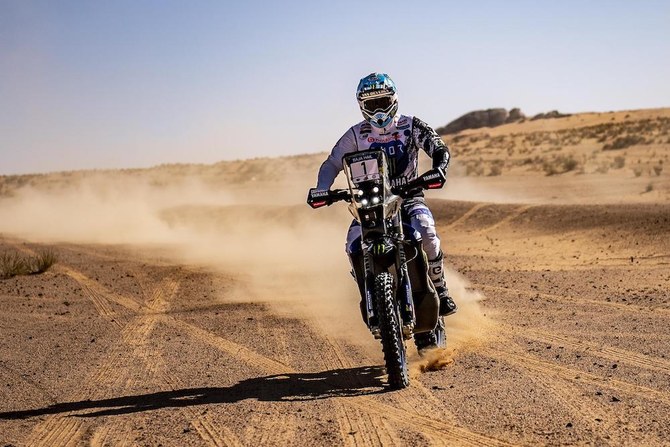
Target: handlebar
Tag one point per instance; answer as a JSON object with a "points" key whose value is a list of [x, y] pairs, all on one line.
{"points": [[433, 179], [317, 199]]}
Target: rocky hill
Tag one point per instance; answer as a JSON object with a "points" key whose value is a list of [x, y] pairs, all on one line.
{"points": [[492, 118]]}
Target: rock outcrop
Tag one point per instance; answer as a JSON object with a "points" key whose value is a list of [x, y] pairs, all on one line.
{"points": [[548, 115], [482, 118]]}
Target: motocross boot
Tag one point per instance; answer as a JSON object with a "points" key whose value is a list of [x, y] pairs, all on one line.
{"points": [[436, 273], [425, 341]]}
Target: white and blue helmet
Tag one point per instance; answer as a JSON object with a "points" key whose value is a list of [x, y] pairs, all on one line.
{"points": [[378, 99]]}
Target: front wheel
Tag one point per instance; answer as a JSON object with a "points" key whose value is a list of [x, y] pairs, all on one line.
{"points": [[393, 343]]}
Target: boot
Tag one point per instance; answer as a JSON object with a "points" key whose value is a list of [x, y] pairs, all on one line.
{"points": [[436, 273], [425, 341]]}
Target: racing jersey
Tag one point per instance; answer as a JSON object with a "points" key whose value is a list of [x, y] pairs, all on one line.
{"points": [[400, 141]]}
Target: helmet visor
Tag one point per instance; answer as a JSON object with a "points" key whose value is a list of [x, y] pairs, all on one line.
{"points": [[379, 103]]}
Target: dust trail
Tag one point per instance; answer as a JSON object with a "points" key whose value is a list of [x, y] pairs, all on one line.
{"points": [[466, 329], [286, 255]]}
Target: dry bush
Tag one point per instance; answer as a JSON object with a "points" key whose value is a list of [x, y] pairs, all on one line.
{"points": [[619, 162], [560, 164], [42, 261], [637, 170], [13, 263], [603, 168], [624, 142], [474, 168], [658, 169], [496, 168]]}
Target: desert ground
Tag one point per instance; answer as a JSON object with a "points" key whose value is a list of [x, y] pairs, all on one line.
{"points": [[207, 305]]}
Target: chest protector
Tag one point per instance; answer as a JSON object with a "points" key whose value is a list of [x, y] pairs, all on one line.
{"points": [[398, 144]]}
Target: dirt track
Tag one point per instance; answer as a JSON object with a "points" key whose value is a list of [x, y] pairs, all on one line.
{"points": [[121, 345]]}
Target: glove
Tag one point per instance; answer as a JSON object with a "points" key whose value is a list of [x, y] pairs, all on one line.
{"points": [[434, 178], [317, 199]]}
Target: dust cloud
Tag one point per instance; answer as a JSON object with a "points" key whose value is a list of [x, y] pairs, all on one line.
{"points": [[288, 256], [466, 329]]}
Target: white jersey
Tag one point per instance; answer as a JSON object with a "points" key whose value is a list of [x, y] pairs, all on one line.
{"points": [[401, 142]]}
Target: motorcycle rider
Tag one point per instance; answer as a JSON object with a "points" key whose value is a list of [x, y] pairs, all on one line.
{"points": [[401, 137]]}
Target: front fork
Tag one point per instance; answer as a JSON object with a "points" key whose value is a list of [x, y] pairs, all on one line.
{"points": [[374, 262]]}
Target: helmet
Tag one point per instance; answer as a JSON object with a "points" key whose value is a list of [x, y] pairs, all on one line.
{"points": [[378, 99]]}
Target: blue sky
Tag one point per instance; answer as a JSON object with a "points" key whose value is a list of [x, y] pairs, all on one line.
{"points": [[113, 84]]}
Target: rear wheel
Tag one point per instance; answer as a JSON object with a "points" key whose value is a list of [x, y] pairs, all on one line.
{"points": [[393, 343]]}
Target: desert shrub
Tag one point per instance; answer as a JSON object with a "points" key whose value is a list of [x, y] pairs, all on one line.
{"points": [[560, 165], [637, 170], [624, 142], [42, 261], [619, 162], [13, 263], [649, 188], [658, 169], [603, 168], [496, 168], [474, 168]]}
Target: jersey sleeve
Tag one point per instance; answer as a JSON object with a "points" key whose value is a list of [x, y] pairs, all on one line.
{"points": [[427, 139], [333, 164]]}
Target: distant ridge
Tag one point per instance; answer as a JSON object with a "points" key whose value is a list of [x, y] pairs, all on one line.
{"points": [[492, 118]]}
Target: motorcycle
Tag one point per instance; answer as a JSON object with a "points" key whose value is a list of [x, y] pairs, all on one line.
{"points": [[398, 299]]}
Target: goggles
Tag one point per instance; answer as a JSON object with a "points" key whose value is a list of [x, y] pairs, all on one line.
{"points": [[378, 103]]}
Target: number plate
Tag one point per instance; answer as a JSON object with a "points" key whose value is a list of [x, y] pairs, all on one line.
{"points": [[364, 170]]}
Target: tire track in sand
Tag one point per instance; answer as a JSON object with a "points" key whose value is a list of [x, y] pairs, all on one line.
{"points": [[466, 215], [597, 349], [412, 414], [158, 301], [572, 375], [517, 212], [434, 428], [570, 299], [113, 374], [445, 433], [566, 386], [357, 427]]}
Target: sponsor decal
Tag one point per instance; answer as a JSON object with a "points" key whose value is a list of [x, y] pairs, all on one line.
{"points": [[374, 93], [358, 158], [316, 194], [400, 181], [394, 137], [431, 176]]}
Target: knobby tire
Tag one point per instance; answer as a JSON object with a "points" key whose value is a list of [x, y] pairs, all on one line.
{"points": [[393, 343]]}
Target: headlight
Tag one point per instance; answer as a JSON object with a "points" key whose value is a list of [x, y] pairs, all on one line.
{"points": [[364, 202], [375, 200], [375, 189]]}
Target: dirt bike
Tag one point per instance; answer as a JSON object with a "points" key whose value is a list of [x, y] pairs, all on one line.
{"points": [[398, 299]]}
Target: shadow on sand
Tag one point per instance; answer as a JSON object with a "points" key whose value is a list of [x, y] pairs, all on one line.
{"points": [[279, 388]]}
